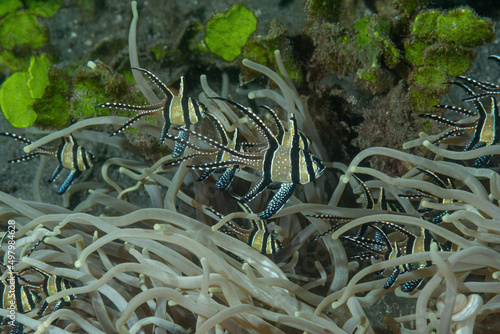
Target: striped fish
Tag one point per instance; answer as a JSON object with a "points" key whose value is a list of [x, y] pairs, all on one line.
{"points": [[50, 285], [258, 237], [23, 297], [487, 88], [225, 180], [381, 246], [283, 164], [283, 136], [484, 128], [423, 194], [175, 109], [370, 203], [68, 154], [228, 173]]}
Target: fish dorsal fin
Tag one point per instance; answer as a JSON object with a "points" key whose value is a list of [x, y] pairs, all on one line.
{"points": [[71, 139], [292, 140], [181, 88]]}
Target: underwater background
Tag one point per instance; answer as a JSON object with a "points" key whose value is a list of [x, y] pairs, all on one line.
{"points": [[348, 59], [364, 70]]}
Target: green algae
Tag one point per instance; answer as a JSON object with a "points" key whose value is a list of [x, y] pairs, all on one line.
{"points": [[260, 49], [53, 109], [460, 26], [423, 100], [408, 7], [428, 83], [329, 10], [414, 51], [38, 76], [228, 32], [44, 8], [453, 62], [21, 32], [373, 38], [16, 101], [463, 26], [192, 39], [373, 79], [91, 86], [372, 42], [14, 62], [424, 26], [8, 6], [430, 77], [74, 96], [22, 28], [20, 91], [88, 90], [160, 51], [49, 97], [442, 43]]}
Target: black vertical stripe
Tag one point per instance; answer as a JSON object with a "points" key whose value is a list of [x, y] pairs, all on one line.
{"points": [[60, 151], [58, 284], [295, 163], [306, 142], [18, 292], [427, 241], [46, 286], [30, 297], [66, 285], [309, 165], [3, 294], [75, 157], [267, 167], [85, 159], [167, 116], [496, 115], [382, 199], [427, 244], [196, 108], [295, 152], [479, 126], [273, 245], [409, 245], [185, 110], [368, 195], [264, 242]]}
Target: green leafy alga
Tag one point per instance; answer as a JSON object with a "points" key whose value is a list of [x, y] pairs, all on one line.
{"points": [[7, 6], [16, 101], [39, 76], [425, 24], [44, 8], [227, 33], [20, 28], [21, 90], [463, 26], [373, 38]]}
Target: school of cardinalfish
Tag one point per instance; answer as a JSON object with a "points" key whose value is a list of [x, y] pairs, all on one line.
{"points": [[283, 162]]}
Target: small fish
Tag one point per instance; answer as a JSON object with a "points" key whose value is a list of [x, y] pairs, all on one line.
{"points": [[68, 154]]}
